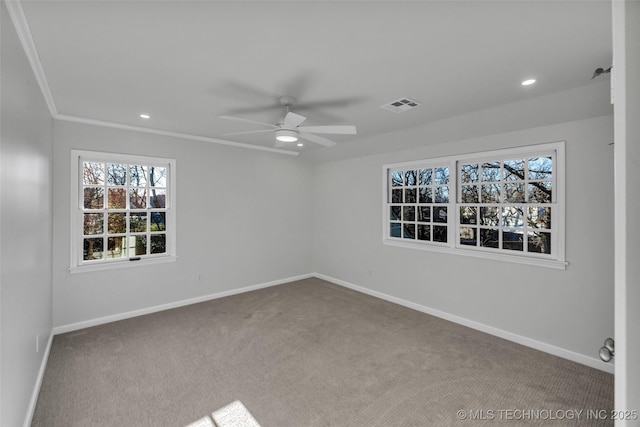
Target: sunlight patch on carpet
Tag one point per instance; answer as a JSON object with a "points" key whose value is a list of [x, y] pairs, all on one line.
{"points": [[232, 415]]}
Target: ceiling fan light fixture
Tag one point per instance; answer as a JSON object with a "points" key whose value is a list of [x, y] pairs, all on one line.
{"points": [[286, 135]]}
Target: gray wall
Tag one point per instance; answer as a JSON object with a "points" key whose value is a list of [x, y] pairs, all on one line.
{"points": [[25, 227], [244, 218], [570, 309]]}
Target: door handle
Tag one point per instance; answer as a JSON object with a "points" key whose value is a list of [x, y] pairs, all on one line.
{"points": [[606, 351]]}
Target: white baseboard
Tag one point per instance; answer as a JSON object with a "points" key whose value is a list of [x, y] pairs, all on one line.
{"points": [[510, 336], [36, 388], [148, 310]]}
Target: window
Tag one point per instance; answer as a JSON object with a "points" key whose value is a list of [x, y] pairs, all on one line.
{"points": [[505, 204], [420, 203], [122, 210]]}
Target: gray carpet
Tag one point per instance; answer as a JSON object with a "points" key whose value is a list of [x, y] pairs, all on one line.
{"points": [[309, 353]]}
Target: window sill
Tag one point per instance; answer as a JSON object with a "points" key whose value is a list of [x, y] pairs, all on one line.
{"points": [[116, 265], [538, 262]]}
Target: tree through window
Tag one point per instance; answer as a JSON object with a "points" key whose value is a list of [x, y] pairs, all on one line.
{"points": [[504, 203], [124, 212]]}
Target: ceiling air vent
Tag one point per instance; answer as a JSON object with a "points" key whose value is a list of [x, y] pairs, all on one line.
{"points": [[401, 105]]}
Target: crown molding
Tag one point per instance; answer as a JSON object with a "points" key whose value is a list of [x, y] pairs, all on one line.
{"points": [[24, 34], [87, 121]]}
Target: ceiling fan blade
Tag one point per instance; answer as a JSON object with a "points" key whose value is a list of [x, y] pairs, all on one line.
{"points": [[259, 109], [248, 131], [239, 119], [330, 103], [238, 89], [293, 120], [317, 139], [342, 129]]}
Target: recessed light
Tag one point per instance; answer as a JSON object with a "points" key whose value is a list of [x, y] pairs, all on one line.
{"points": [[528, 82], [300, 144], [145, 116]]}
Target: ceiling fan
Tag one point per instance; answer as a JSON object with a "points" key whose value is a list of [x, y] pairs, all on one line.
{"points": [[290, 130]]}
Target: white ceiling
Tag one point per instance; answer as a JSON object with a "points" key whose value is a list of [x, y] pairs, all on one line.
{"points": [[187, 62]]}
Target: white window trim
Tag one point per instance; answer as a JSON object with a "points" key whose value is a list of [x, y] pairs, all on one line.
{"points": [[452, 247], [76, 264]]}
